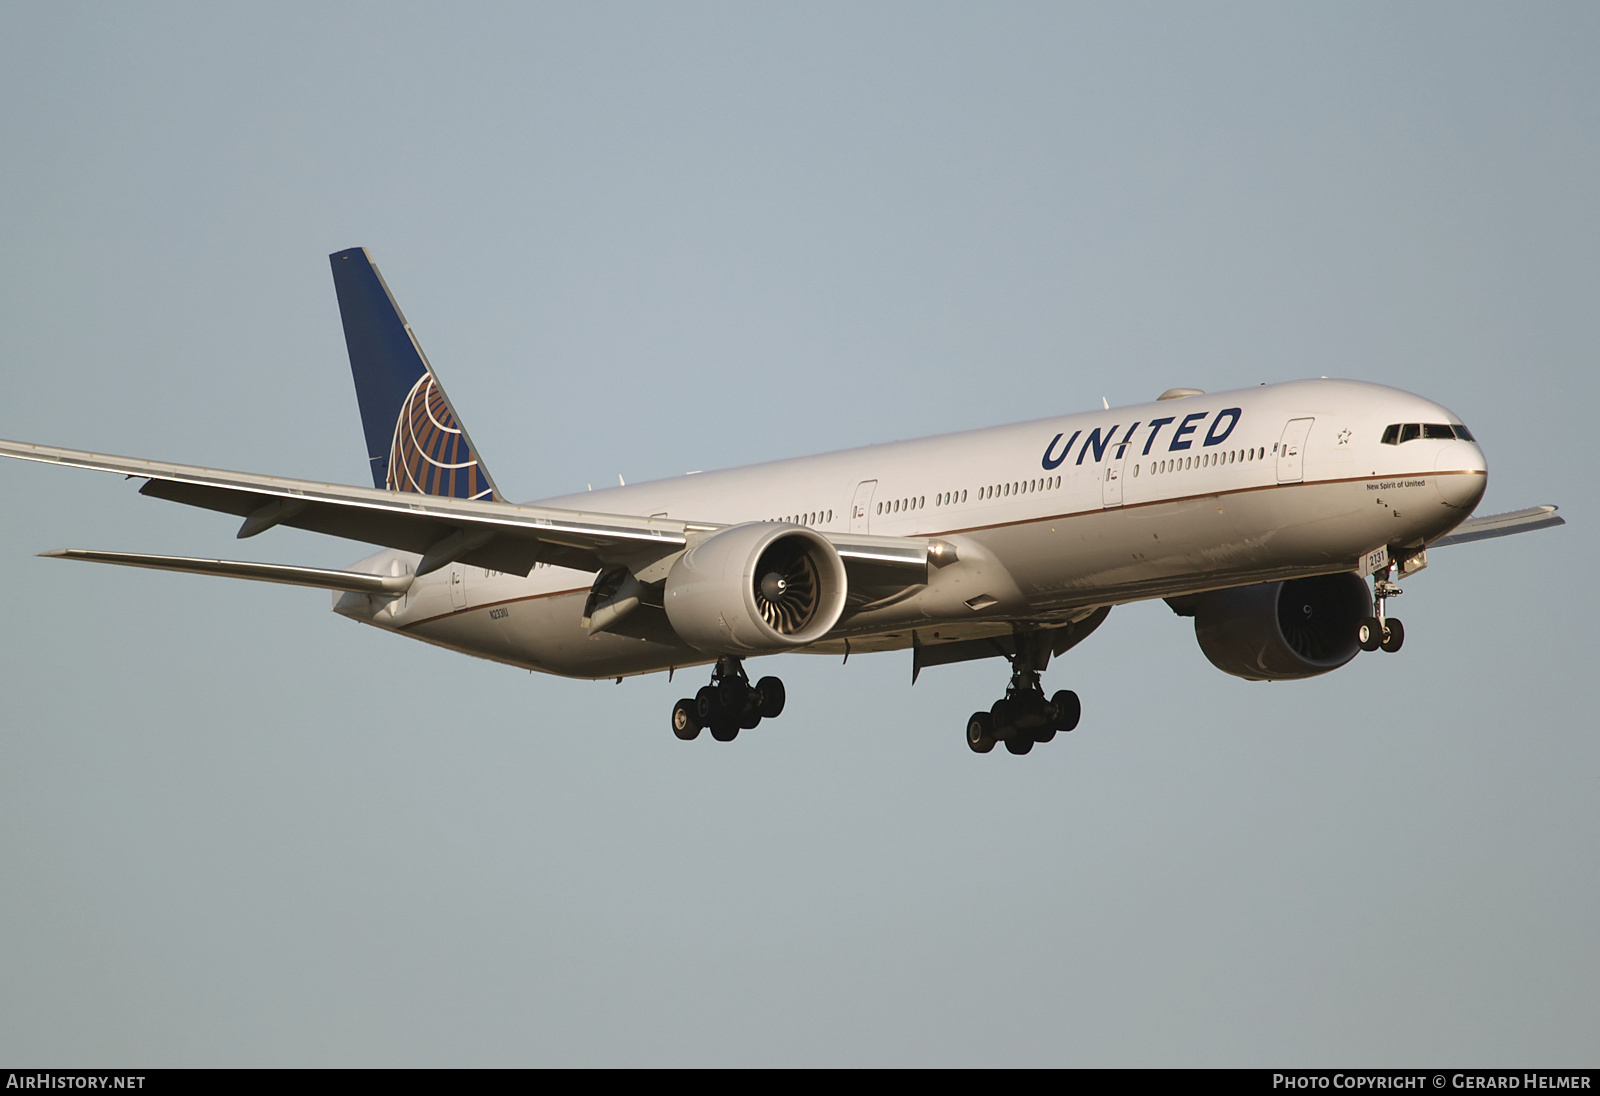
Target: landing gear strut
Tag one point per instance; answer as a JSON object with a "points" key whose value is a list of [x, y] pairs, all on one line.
{"points": [[729, 704], [1024, 716], [1382, 630]]}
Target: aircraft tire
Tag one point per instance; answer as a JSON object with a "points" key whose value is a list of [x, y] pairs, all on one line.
{"points": [[1019, 743], [724, 730], [705, 705], [1395, 636], [1368, 635], [1066, 710], [770, 697], [685, 721], [749, 720], [1004, 716], [980, 732]]}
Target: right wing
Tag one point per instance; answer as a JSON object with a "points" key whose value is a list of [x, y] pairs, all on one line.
{"points": [[1501, 525]]}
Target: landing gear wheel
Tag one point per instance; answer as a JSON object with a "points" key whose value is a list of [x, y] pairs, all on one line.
{"points": [[1067, 709], [705, 704], [685, 720], [1369, 634], [980, 732], [730, 703], [1019, 744], [1394, 636], [770, 697], [1002, 718]]}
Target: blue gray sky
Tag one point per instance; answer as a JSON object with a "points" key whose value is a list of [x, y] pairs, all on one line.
{"points": [[643, 239]]}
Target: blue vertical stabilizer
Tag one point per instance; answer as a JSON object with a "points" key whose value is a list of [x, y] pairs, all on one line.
{"points": [[415, 441]]}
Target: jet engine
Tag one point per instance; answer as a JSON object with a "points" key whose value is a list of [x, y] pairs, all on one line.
{"points": [[1280, 631], [756, 589]]}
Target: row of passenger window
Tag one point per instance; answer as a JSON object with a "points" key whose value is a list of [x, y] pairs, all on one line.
{"points": [[1051, 483], [1393, 435], [810, 517], [1401, 432], [1204, 460], [1018, 487]]}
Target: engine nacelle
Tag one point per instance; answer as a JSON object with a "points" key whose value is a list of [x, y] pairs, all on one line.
{"points": [[756, 589], [1280, 631]]}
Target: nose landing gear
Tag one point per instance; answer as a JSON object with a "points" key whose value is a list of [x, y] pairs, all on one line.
{"points": [[1382, 630], [729, 704], [1024, 716]]}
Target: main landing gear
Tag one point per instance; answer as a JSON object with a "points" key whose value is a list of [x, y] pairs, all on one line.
{"points": [[729, 704], [1023, 716], [1382, 630]]}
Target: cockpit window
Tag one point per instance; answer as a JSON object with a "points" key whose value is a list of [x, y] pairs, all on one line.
{"points": [[1401, 432]]}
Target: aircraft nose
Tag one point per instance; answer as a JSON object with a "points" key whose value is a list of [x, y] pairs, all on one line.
{"points": [[1461, 475]]}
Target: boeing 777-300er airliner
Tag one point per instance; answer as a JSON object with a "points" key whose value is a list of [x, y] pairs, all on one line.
{"points": [[1260, 513]]}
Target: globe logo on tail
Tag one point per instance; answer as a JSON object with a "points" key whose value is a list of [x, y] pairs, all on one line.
{"points": [[430, 454]]}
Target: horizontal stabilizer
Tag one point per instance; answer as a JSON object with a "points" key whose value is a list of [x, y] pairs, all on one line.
{"points": [[233, 568], [1502, 525]]}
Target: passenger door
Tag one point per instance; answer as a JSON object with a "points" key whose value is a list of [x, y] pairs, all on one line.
{"points": [[861, 508], [1291, 450], [1111, 478]]}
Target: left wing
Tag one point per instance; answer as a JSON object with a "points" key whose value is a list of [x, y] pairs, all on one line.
{"points": [[443, 530]]}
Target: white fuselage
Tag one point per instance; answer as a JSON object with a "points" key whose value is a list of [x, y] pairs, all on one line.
{"points": [[1049, 519]]}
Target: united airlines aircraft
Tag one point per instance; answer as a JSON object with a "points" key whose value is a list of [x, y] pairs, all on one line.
{"points": [[1262, 514]]}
